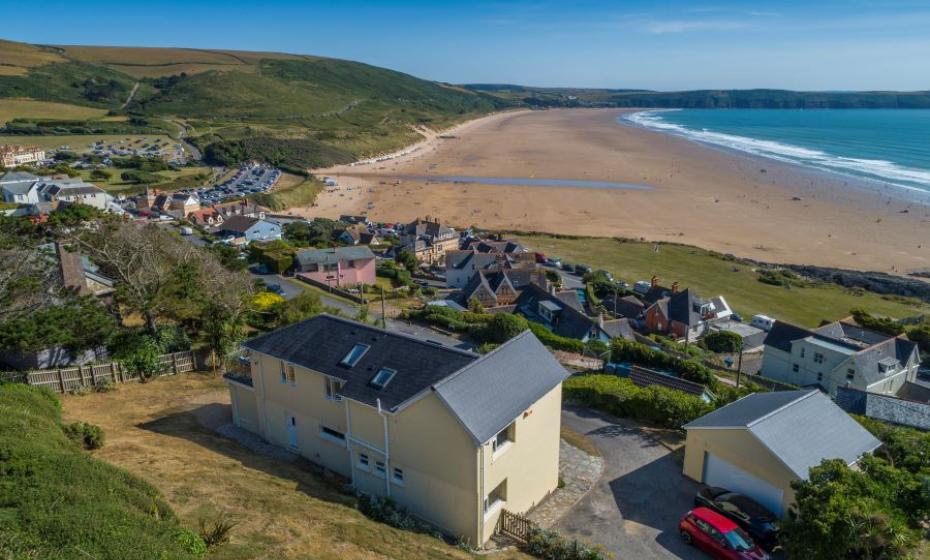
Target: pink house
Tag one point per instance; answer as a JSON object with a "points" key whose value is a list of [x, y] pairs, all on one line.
{"points": [[339, 266]]}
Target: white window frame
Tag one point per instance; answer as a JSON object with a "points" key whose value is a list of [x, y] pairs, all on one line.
{"points": [[288, 374], [499, 446], [398, 480], [364, 462], [387, 373], [490, 508], [345, 362], [380, 468], [332, 437], [332, 386]]}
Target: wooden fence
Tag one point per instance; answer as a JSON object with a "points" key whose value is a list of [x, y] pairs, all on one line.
{"points": [[64, 380], [514, 526]]}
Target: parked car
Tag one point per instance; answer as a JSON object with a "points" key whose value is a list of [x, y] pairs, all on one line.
{"points": [[749, 514], [275, 289], [540, 258], [567, 267], [718, 536], [581, 269]]}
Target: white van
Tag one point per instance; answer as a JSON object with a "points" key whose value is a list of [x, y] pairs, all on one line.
{"points": [[763, 322]]}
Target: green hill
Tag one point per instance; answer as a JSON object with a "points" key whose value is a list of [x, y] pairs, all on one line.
{"points": [[57, 502], [297, 111]]}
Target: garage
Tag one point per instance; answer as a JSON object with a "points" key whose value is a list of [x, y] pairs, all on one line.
{"points": [[718, 472], [761, 443]]}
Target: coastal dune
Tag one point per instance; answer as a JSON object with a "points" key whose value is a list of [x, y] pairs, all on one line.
{"points": [[697, 195]]}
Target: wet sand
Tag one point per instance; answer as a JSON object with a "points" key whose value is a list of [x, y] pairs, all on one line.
{"points": [[698, 195]]}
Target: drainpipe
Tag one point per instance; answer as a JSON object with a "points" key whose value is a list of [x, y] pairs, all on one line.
{"points": [[480, 495], [349, 443], [387, 452]]}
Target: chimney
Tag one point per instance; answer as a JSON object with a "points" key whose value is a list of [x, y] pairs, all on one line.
{"points": [[674, 287], [654, 281], [551, 288]]}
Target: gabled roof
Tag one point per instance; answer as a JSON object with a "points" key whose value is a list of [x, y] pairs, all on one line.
{"points": [[491, 392], [334, 255], [17, 177], [322, 342], [801, 428], [569, 322], [681, 307], [239, 223], [618, 328]]}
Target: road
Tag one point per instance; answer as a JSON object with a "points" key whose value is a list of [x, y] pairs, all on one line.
{"points": [[635, 507], [132, 94]]}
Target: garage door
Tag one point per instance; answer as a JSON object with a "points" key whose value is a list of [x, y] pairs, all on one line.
{"points": [[718, 472]]}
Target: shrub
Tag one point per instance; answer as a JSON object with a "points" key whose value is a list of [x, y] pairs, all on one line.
{"points": [[619, 396], [554, 341], [387, 511], [723, 341], [191, 543], [143, 361], [502, 327], [88, 436], [550, 545], [217, 531], [637, 353]]}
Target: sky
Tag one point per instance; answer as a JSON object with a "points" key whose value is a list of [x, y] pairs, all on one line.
{"points": [[662, 45]]}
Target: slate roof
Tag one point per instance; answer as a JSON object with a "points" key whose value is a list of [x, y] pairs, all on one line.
{"points": [[18, 187], [485, 393], [332, 256], [322, 342], [238, 223], [17, 177], [569, 321], [800, 428], [618, 328], [490, 281], [627, 306], [490, 392], [681, 307]]}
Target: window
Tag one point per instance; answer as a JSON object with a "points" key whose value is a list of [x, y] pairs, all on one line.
{"points": [[332, 389], [382, 378], [850, 374], [496, 498], [287, 374], [363, 461], [795, 368], [398, 475], [504, 437], [818, 357], [379, 467], [819, 376], [331, 434], [354, 355]]}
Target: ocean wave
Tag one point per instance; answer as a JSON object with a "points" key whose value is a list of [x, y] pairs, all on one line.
{"points": [[874, 169]]}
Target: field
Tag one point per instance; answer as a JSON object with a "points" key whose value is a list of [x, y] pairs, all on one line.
{"points": [[82, 143], [29, 108], [290, 191], [711, 274], [115, 185], [163, 432]]}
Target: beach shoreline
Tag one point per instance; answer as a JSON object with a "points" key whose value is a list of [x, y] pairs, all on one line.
{"points": [[700, 195]]}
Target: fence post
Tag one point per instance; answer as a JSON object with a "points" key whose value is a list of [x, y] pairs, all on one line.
{"points": [[61, 382], [174, 362], [81, 373], [93, 375]]}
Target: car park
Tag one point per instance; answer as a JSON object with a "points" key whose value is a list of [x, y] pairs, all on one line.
{"points": [[718, 536], [250, 179], [749, 514]]}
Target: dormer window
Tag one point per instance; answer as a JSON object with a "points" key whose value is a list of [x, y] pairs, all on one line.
{"points": [[354, 355], [382, 378]]}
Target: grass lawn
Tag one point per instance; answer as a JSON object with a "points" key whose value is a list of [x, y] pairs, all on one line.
{"points": [[28, 108], [711, 274], [290, 191], [163, 431], [83, 143], [115, 185]]}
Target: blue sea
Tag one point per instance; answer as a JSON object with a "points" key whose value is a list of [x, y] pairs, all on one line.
{"points": [[890, 146]]}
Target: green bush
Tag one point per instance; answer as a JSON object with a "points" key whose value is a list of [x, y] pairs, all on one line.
{"points": [[387, 511], [640, 354], [723, 341], [550, 545], [88, 436], [619, 396], [554, 341], [502, 327], [61, 503]]}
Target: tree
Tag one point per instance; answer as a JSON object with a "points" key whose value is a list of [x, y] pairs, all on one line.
{"points": [[28, 272], [407, 260], [100, 175], [723, 341], [297, 233], [503, 326], [74, 324], [841, 514], [143, 361]]}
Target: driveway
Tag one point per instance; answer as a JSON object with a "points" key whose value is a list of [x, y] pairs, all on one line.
{"points": [[635, 507]]}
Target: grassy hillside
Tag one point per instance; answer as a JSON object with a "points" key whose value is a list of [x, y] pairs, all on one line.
{"points": [[58, 502], [291, 110], [713, 274]]}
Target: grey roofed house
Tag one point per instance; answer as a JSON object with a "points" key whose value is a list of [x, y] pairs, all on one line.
{"points": [[306, 257], [566, 320], [624, 306], [619, 328], [480, 390], [801, 428], [489, 393], [681, 307], [17, 177]]}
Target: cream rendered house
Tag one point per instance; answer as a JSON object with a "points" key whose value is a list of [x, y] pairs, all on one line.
{"points": [[452, 436]]}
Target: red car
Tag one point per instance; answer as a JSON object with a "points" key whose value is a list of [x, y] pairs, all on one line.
{"points": [[718, 536]]}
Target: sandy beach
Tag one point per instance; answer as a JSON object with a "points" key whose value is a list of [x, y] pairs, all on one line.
{"points": [[695, 194]]}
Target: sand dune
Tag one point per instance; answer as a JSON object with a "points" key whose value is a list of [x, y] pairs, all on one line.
{"points": [[699, 195]]}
